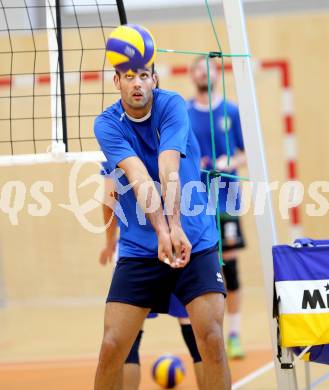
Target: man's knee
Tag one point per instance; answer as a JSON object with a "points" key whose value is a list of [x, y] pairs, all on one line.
{"points": [[110, 347], [212, 343], [214, 336]]}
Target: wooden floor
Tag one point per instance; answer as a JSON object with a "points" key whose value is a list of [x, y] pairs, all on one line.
{"points": [[79, 374]]}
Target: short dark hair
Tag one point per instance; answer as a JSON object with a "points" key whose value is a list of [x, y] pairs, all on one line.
{"points": [[153, 71]]}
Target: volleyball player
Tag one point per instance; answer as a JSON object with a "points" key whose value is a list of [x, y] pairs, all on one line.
{"points": [[228, 196], [147, 135]]}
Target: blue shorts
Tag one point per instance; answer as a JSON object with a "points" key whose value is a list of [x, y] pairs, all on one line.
{"points": [[176, 309], [149, 283]]}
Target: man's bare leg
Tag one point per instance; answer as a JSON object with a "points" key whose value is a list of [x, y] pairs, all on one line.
{"points": [[119, 381], [121, 326], [131, 376], [206, 314]]}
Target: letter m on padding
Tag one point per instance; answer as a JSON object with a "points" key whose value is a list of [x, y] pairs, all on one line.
{"points": [[312, 300]]}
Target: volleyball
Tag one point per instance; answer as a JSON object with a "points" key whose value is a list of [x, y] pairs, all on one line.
{"points": [[130, 47], [168, 371]]}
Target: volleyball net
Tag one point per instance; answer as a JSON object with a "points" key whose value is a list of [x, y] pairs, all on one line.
{"points": [[53, 77]]}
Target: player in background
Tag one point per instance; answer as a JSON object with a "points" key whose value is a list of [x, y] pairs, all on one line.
{"points": [[229, 196], [130, 380]]}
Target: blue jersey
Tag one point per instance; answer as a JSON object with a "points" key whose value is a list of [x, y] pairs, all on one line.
{"points": [[200, 120], [168, 128]]}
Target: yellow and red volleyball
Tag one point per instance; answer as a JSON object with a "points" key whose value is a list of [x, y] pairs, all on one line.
{"points": [[130, 47], [168, 371]]}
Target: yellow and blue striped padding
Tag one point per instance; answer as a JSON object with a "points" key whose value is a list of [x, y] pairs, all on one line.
{"points": [[168, 371], [302, 289]]}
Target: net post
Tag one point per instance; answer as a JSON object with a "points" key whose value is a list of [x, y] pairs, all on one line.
{"points": [[61, 70], [122, 12], [57, 145], [257, 166]]}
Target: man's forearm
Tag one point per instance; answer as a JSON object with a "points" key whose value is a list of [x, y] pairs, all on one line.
{"points": [[110, 197], [146, 193], [149, 200], [111, 224], [171, 195], [169, 162]]}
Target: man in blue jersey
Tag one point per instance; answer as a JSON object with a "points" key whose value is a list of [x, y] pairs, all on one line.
{"points": [[147, 135], [228, 197]]}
